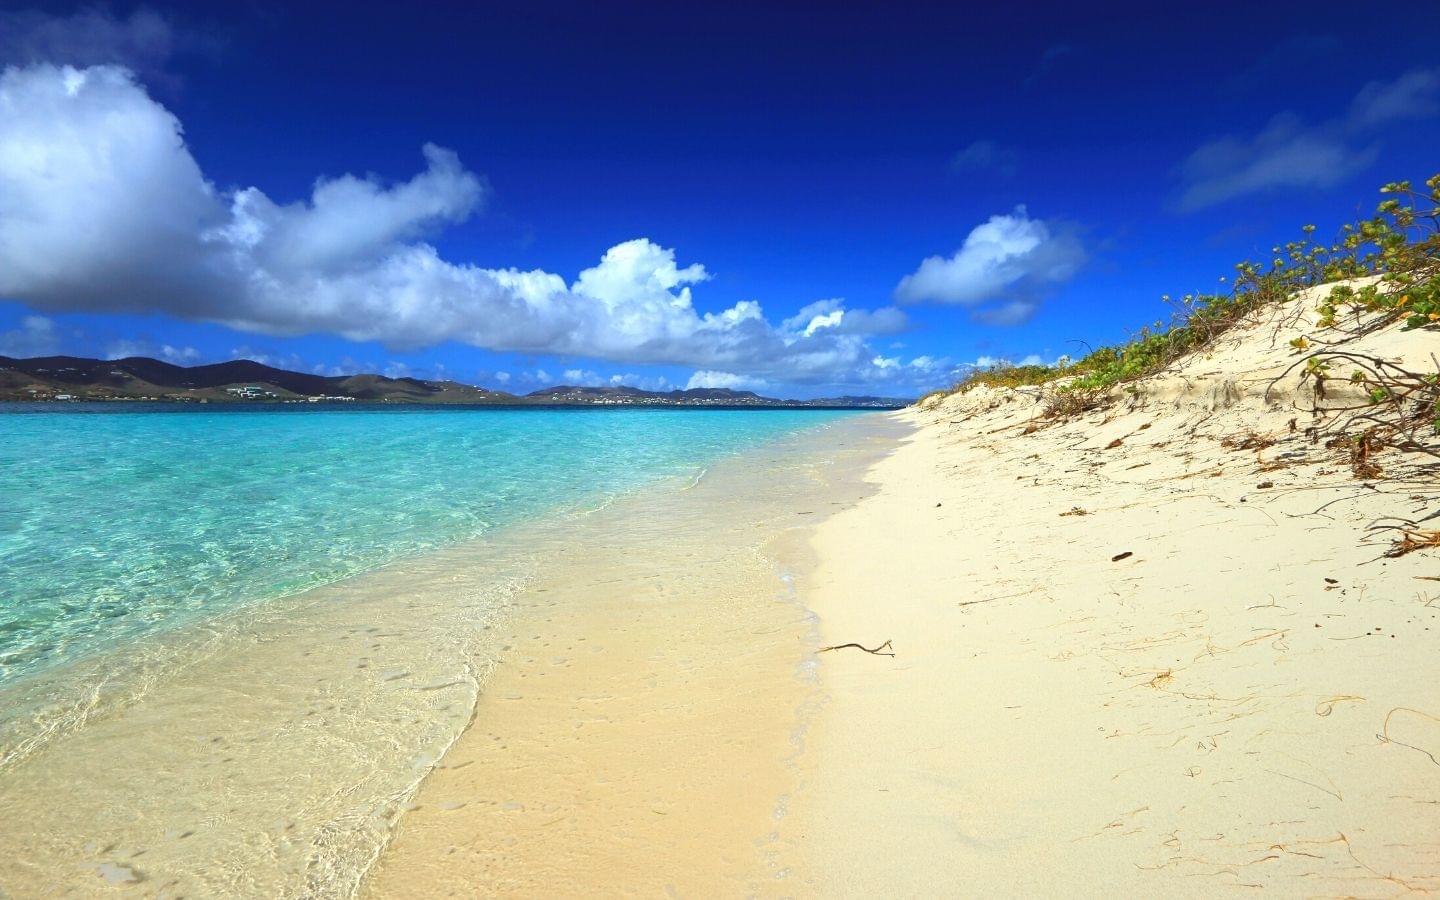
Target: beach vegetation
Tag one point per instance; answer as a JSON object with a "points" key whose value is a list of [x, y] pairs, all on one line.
{"points": [[1384, 270], [1064, 404], [1381, 272]]}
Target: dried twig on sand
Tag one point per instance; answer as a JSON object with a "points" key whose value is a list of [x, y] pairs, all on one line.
{"points": [[1410, 541], [878, 651]]}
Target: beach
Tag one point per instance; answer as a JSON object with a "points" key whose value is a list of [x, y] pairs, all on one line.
{"points": [[1130, 657], [549, 704], [1153, 648], [645, 728], [844, 451]]}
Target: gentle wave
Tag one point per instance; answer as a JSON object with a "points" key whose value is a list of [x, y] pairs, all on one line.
{"points": [[370, 679], [117, 525]]}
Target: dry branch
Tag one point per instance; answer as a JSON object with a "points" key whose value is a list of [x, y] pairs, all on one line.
{"points": [[878, 651]]}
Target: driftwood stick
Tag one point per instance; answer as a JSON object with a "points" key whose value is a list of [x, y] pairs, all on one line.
{"points": [[878, 651]]}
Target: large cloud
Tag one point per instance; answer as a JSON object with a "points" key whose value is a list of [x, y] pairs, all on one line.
{"points": [[1291, 153], [103, 208], [1012, 259]]}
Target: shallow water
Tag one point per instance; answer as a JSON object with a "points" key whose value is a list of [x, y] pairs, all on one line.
{"points": [[225, 733], [641, 732], [114, 524]]}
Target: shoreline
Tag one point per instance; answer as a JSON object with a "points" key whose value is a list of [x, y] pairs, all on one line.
{"points": [[152, 404], [1132, 655], [345, 677], [626, 743], [200, 512]]}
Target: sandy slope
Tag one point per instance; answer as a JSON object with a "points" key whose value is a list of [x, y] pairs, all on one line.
{"points": [[1250, 699]]}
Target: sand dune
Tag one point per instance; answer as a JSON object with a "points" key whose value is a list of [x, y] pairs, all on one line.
{"points": [[1153, 650]]}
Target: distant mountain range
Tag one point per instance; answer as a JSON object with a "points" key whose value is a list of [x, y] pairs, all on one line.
{"points": [[246, 381]]}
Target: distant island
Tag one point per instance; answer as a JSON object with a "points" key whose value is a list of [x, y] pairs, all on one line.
{"points": [[71, 378]]}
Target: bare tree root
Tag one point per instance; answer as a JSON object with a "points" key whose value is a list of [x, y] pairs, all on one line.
{"points": [[1401, 412]]}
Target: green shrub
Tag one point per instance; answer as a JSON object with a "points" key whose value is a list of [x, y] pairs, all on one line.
{"points": [[1400, 245]]}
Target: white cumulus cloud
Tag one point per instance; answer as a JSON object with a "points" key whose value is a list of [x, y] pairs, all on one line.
{"points": [[103, 208], [712, 379], [833, 316], [1011, 258], [581, 378]]}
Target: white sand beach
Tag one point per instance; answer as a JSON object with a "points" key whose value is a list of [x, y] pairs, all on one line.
{"points": [[1150, 651], [1158, 648], [679, 450]]}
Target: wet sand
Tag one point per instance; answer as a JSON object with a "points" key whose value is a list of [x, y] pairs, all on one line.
{"points": [[643, 728], [608, 701]]}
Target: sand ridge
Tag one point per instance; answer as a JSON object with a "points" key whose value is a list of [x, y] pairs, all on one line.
{"points": [[1137, 653]]}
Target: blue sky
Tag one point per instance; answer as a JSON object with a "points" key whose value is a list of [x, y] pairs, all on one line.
{"points": [[795, 197]]}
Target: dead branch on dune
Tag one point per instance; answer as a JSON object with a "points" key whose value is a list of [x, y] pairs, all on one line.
{"points": [[1411, 540], [878, 651], [1400, 409]]}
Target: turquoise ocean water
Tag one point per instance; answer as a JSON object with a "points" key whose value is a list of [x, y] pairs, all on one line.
{"points": [[116, 522]]}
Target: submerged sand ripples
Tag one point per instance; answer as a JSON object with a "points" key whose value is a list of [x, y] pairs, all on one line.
{"points": [[272, 750]]}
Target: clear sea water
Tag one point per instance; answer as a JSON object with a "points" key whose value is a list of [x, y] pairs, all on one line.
{"points": [[116, 522]]}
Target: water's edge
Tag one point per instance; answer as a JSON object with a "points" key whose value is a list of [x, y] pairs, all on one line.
{"points": [[116, 525], [527, 802], [425, 630]]}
